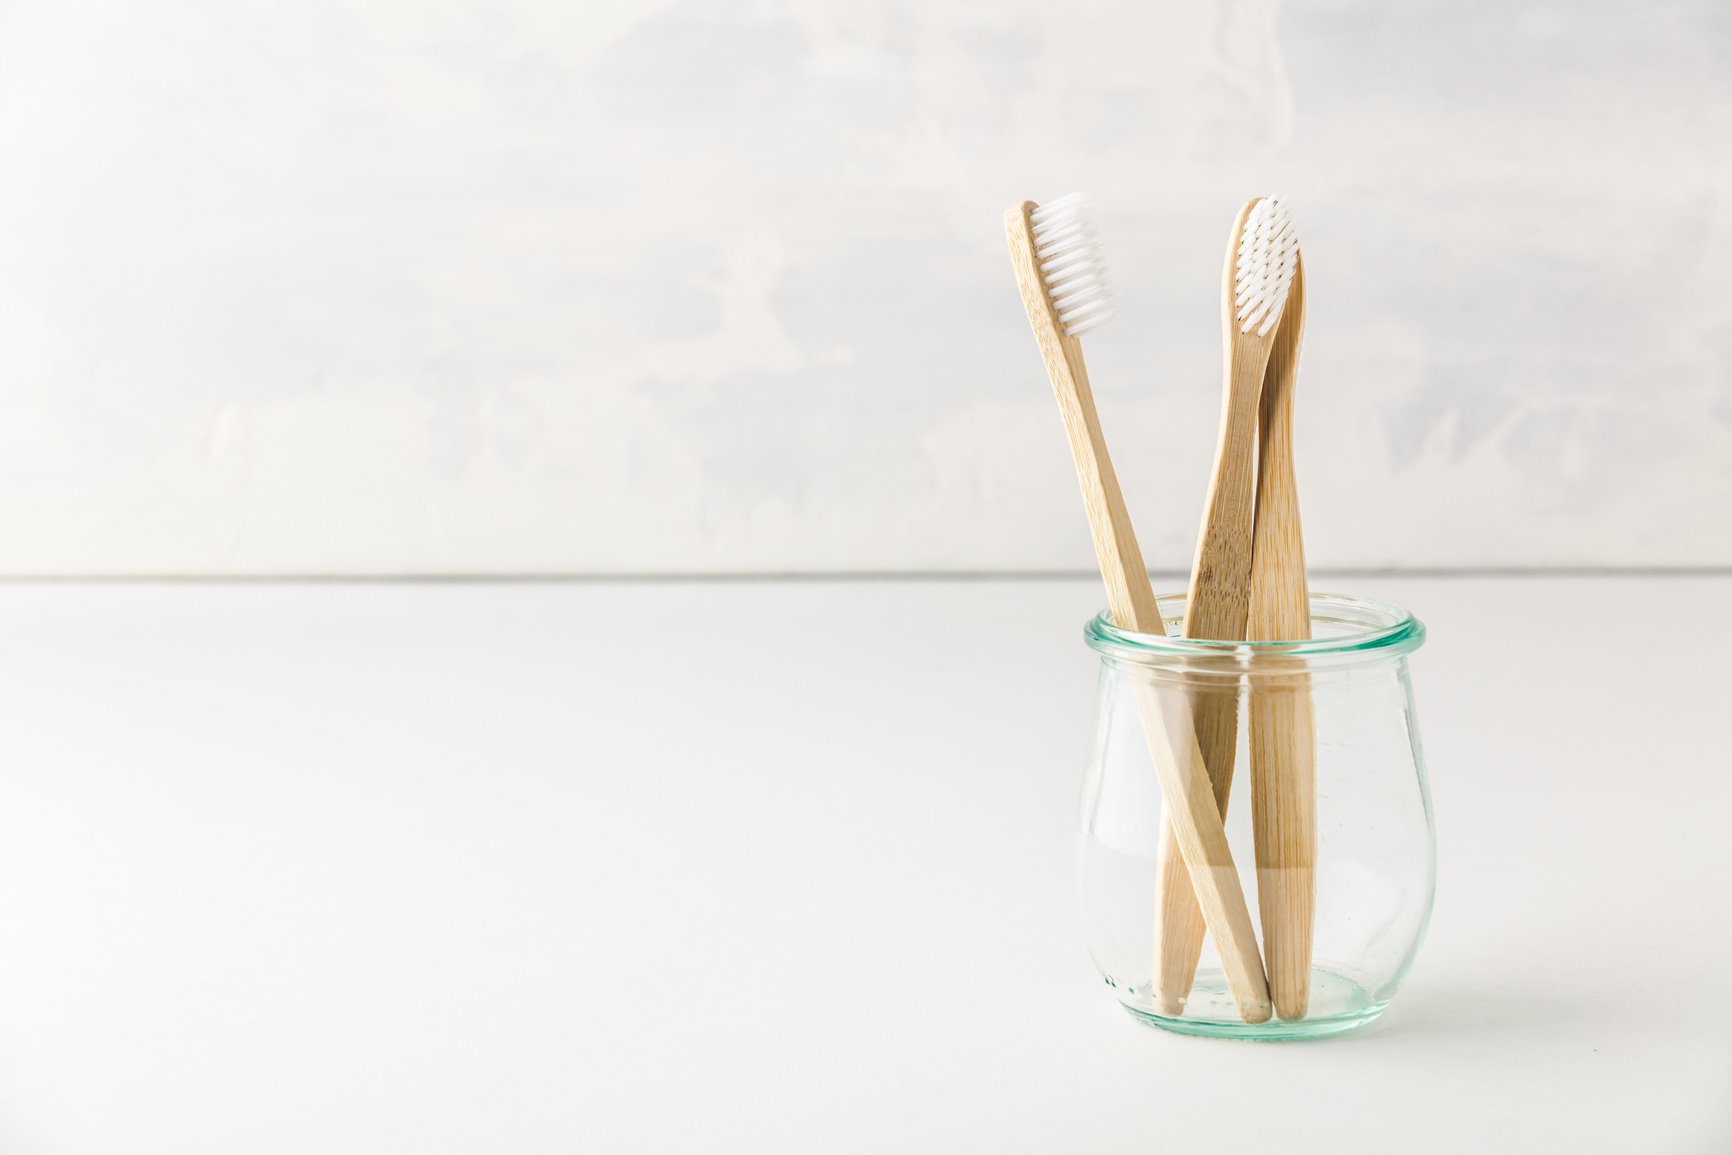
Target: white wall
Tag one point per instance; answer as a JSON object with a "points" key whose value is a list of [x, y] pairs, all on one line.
{"points": [[693, 286]]}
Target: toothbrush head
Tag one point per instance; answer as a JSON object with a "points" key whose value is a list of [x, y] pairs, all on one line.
{"points": [[1263, 269], [1068, 251]]}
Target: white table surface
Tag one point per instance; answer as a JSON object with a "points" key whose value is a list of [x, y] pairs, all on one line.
{"points": [[767, 867]]}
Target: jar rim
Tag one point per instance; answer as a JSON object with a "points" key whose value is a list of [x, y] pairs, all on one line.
{"points": [[1373, 627]]}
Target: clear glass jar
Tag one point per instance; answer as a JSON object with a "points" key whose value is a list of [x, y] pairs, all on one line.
{"points": [[1371, 860]]}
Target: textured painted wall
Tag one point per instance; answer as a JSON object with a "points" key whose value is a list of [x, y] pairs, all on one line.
{"points": [[542, 286]]}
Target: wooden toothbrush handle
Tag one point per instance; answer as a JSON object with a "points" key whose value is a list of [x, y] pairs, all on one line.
{"points": [[1283, 727], [1284, 821], [1283, 732]]}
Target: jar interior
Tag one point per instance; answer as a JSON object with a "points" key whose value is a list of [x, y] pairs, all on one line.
{"points": [[1373, 863]]}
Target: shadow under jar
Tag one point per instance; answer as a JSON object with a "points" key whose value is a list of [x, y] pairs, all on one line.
{"points": [[1372, 863]]}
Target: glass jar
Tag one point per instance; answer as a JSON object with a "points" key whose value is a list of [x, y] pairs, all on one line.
{"points": [[1359, 844]]}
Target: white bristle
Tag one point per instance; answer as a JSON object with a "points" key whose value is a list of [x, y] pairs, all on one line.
{"points": [[1268, 253], [1067, 246]]}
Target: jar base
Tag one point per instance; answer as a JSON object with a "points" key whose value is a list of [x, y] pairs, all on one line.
{"points": [[1341, 1004]]}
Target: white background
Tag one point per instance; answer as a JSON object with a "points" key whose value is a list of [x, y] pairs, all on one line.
{"points": [[442, 287]]}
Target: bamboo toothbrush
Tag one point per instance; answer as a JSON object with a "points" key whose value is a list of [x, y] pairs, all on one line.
{"points": [[1283, 726], [1056, 252], [1260, 258]]}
